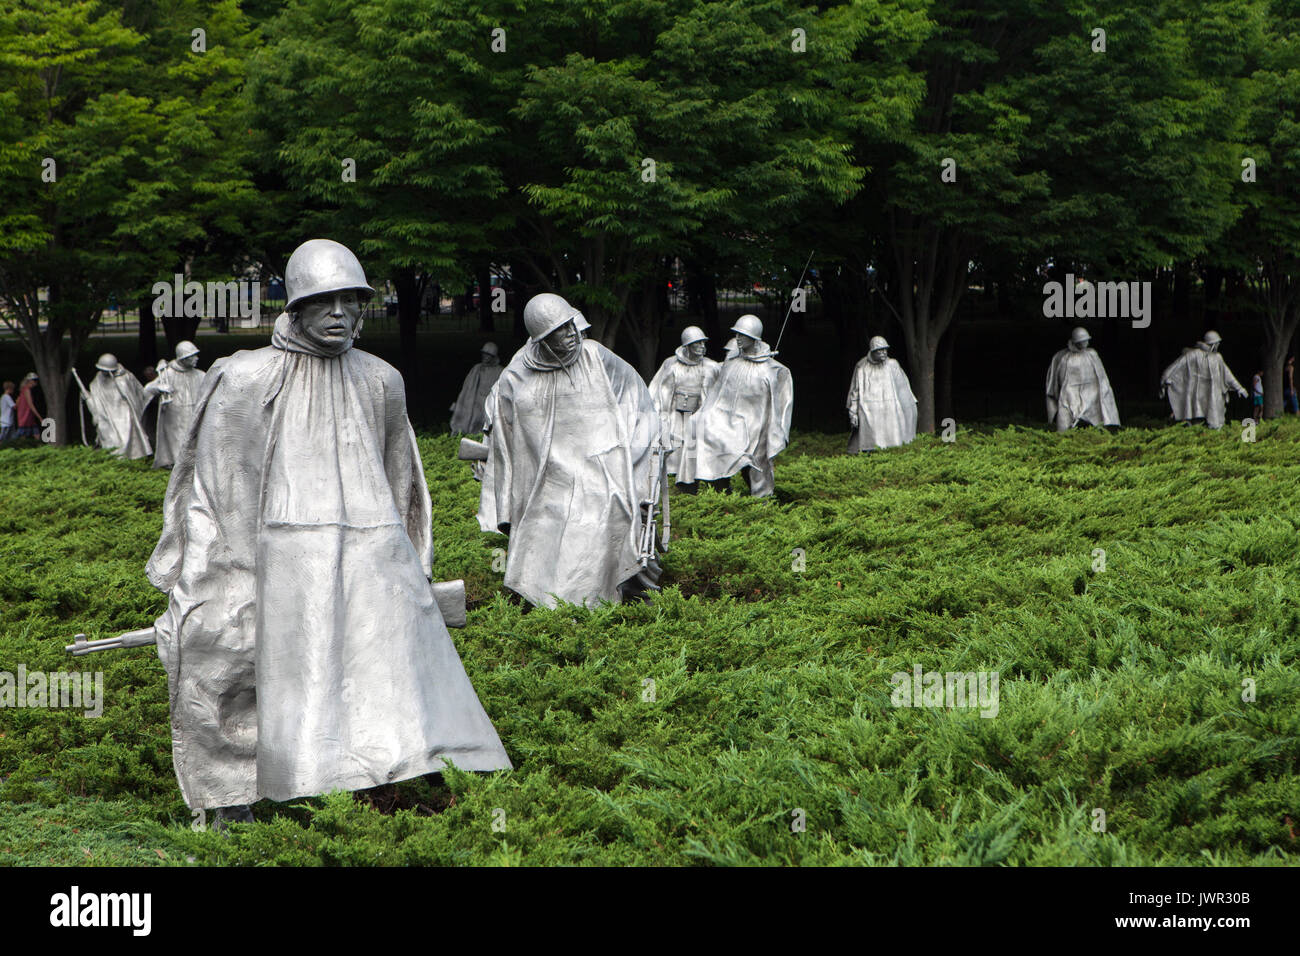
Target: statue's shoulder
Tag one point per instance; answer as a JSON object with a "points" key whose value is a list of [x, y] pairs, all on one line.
{"points": [[245, 367], [376, 369]]}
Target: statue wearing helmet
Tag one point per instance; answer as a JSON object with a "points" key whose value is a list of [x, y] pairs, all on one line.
{"points": [[467, 411], [179, 384], [116, 402], [882, 408], [304, 645], [1078, 389], [572, 428], [1198, 383], [745, 420], [679, 389]]}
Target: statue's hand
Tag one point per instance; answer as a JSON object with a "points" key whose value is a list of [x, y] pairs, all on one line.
{"points": [[1242, 392]]}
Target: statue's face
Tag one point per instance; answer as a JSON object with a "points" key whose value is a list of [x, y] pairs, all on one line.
{"points": [[564, 341], [329, 320], [745, 343], [879, 355], [1080, 345], [488, 358], [696, 349], [190, 361]]}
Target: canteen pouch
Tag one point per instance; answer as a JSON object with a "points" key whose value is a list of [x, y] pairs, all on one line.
{"points": [[686, 402]]}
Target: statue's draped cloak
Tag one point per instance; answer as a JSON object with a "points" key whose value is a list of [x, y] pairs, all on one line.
{"points": [[116, 405], [881, 397], [303, 646], [1197, 385], [1078, 389], [467, 413], [175, 409], [745, 420], [680, 376], [571, 457]]}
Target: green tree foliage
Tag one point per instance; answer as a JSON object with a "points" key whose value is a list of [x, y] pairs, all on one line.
{"points": [[1264, 244], [1113, 162], [117, 157]]}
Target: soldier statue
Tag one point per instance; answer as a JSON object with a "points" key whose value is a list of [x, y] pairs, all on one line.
{"points": [[1078, 390], [745, 420]]}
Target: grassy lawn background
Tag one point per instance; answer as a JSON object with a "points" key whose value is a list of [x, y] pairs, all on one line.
{"points": [[1119, 690]]}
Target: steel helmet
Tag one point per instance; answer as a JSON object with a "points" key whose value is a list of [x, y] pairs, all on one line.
{"points": [[319, 266], [545, 313], [749, 325], [581, 322], [693, 333], [107, 362], [185, 350], [1080, 335], [491, 349], [877, 342], [1211, 337]]}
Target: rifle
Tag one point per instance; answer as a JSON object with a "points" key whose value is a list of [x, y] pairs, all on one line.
{"points": [[81, 406], [450, 596], [791, 306], [657, 499], [471, 450]]}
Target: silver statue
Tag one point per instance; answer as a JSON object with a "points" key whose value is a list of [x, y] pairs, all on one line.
{"points": [[572, 429], [304, 646], [467, 411], [679, 389], [116, 403], [745, 420], [179, 384], [882, 408], [1078, 390], [1198, 383]]}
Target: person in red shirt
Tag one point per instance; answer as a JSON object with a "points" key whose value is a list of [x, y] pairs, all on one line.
{"points": [[29, 419]]}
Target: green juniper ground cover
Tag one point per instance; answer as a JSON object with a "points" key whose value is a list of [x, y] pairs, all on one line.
{"points": [[1120, 690]]}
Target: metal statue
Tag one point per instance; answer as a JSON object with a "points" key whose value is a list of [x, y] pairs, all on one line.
{"points": [[1198, 382], [572, 429], [882, 408], [304, 645], [678, 389], [179, 383], [745, 420], [116, 402], [467, 411], [1078, 390]]}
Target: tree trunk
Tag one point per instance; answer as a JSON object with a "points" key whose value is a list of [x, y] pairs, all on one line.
{"points": [[522, 290], [702, 286], [1278, 330], [644, 324], [55, 380], [943, 383], [407, 285], [921, 357], [483, 276], [148, 332]]}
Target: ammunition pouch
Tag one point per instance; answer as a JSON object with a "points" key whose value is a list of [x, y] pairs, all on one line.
{"points": [[688, 402]]}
